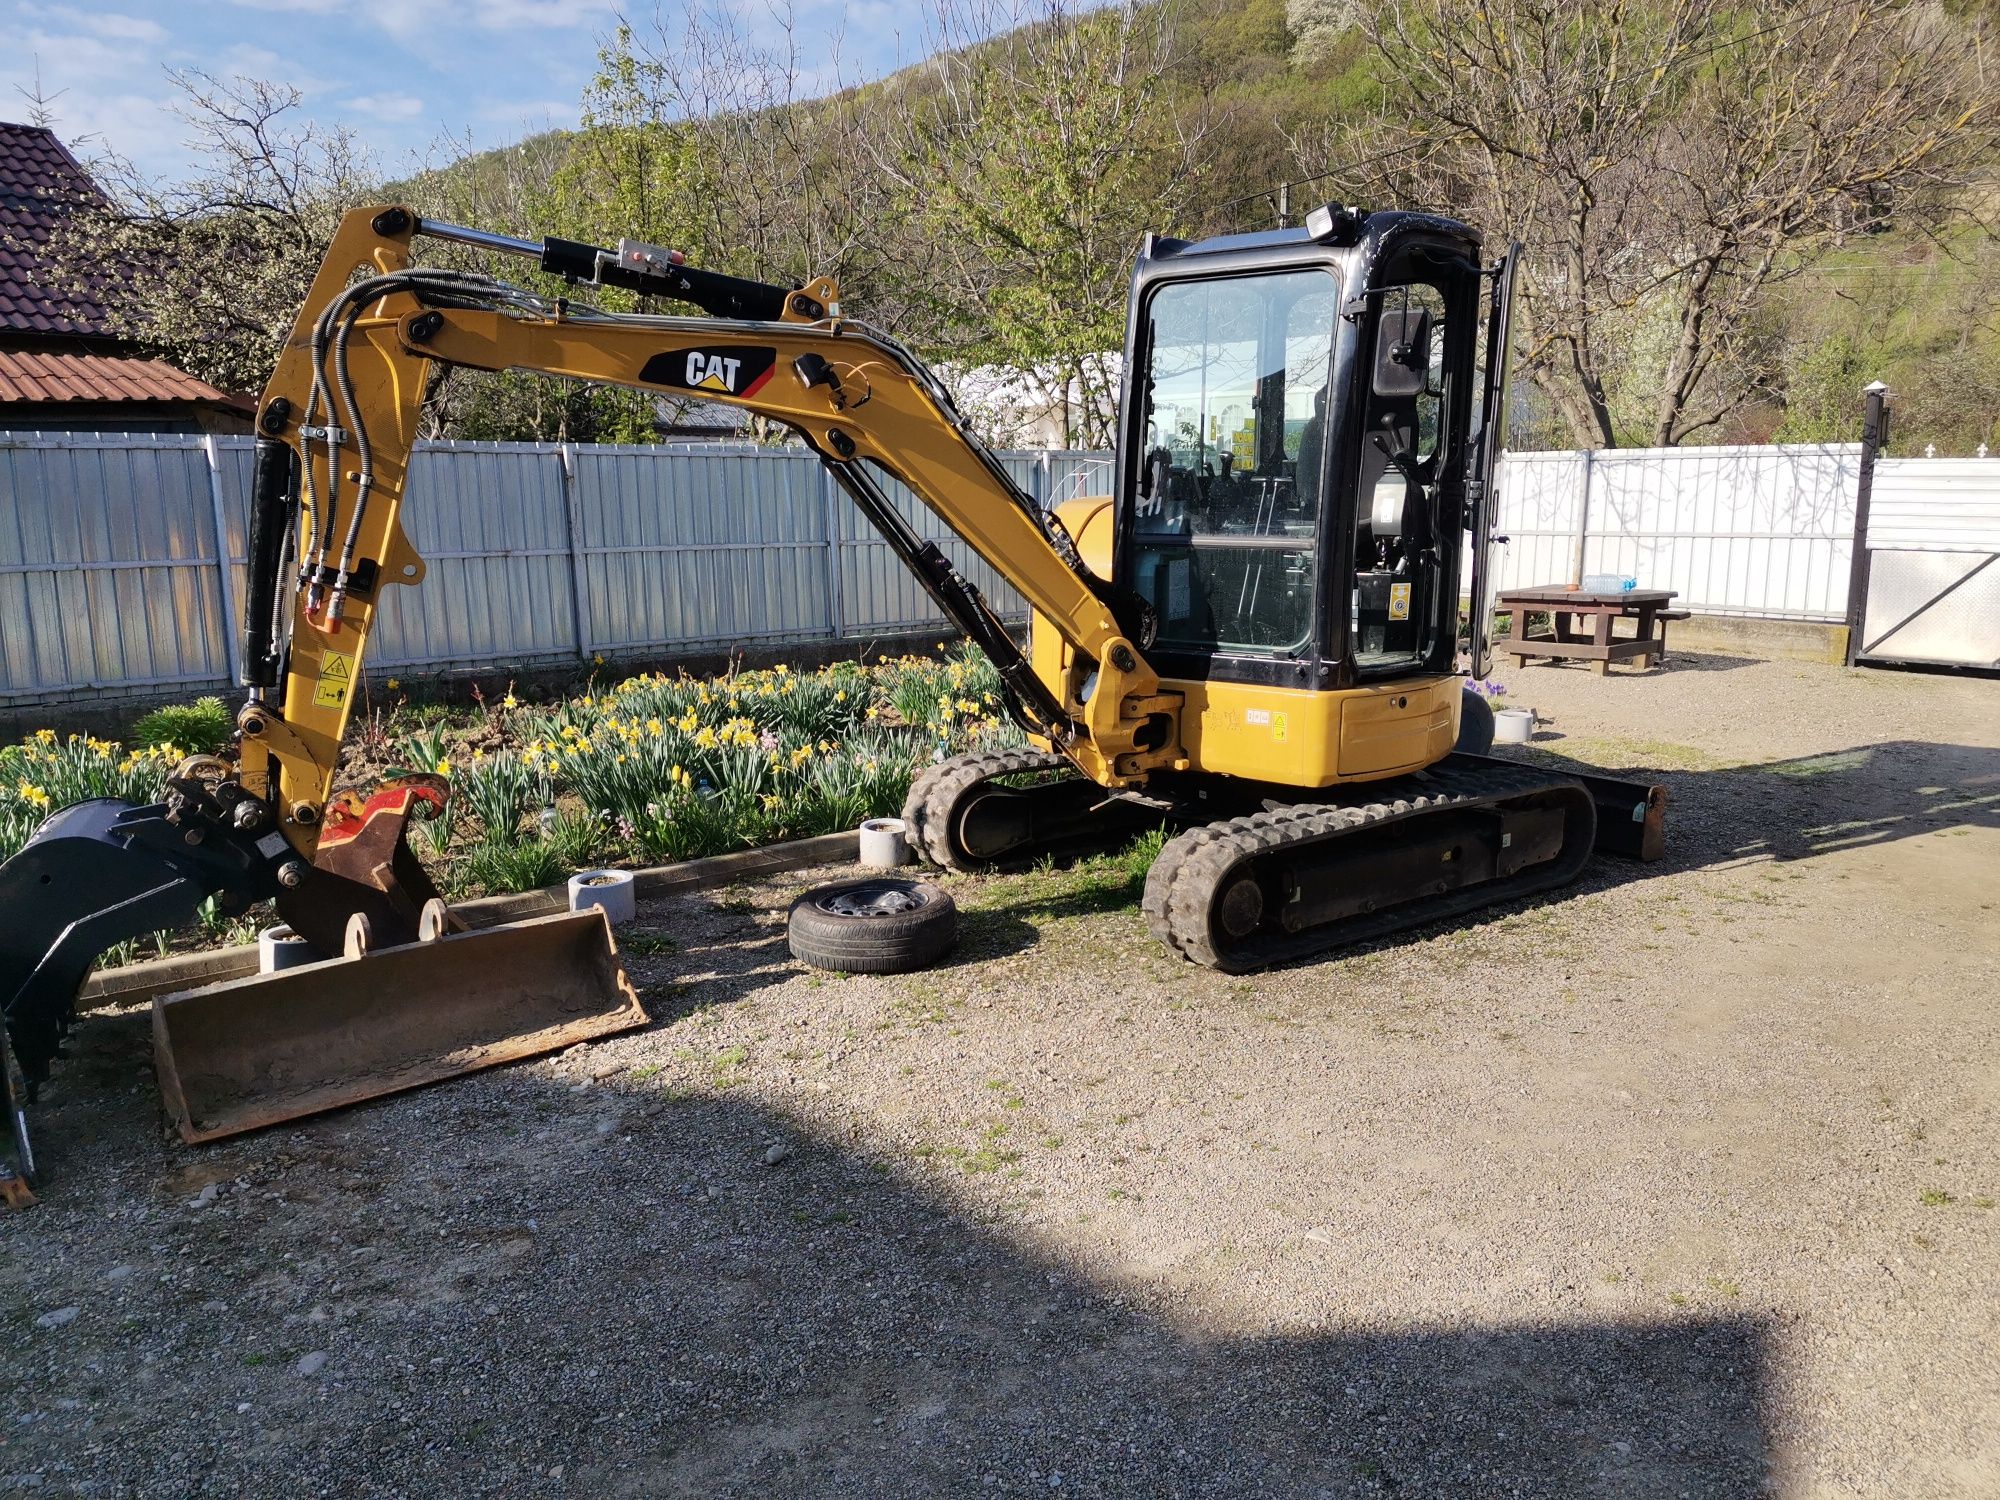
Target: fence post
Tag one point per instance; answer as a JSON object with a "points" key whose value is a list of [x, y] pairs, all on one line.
{"points": [[1874, 433], [836, 602], [232, 622], [1043, 481], [1582, 518], [579, 615]]}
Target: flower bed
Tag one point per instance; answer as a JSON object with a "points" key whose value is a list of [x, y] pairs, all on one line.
{"points": [[652, 770]]}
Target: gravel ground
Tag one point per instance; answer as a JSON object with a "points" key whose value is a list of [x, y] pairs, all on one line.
{"points": [[1679, 1185]]}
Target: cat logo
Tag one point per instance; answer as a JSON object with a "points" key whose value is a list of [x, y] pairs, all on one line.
{"points": [[739, 371], [712, 372]]}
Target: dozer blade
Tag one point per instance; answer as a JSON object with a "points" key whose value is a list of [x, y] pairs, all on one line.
{"points": [[248, 1053]]}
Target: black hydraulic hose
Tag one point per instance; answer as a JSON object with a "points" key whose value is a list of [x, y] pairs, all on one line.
{"points": [[270, 524], [1030, 701]]}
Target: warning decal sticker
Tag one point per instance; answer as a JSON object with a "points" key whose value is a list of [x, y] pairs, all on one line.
{"points": [[1399, 601], [336, 677]]}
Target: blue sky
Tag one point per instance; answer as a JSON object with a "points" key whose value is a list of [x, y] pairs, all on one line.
{"points": [[404, 74]]}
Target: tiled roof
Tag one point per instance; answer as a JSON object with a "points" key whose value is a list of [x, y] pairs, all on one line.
{"points": [[26, 376], [40, 183]]}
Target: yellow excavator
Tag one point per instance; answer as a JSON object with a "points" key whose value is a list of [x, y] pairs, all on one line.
{"points": [[1254, 640]]}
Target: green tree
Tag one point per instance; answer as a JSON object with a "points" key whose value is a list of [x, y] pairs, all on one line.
{"points": [[1031, 164]]}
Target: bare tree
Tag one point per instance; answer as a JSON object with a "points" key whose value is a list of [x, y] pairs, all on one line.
{"points": [[212, 270], [1665, 164]]}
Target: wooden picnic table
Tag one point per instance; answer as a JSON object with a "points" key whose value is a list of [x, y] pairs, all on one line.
{"points": [[1570, 638]]}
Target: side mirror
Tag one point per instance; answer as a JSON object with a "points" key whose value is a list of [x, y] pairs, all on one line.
{"points": [[1402, 352]]}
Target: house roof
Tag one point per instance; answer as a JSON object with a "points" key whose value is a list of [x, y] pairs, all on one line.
{"points": [[40, 184], [27, 375]]}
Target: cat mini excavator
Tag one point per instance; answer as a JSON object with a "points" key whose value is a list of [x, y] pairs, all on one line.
{"points": [[1254, 639]]}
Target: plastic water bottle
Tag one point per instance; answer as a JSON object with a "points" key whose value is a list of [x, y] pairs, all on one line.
{"points": [[1609, 583]]}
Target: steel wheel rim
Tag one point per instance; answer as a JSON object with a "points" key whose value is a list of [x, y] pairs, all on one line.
{"points": [[884, 900]]}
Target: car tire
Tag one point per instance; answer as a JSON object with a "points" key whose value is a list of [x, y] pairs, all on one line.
{"points": [[874, 925], [1475, 723]]}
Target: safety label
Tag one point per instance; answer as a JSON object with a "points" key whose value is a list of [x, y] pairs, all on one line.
{"points": [[1280, 727], [336, 676], [1399, 601]]}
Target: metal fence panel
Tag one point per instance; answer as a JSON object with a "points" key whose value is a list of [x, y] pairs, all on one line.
{"points": [[700, 547], [1752, 530], [1538, 508], [113, 546], [108, 567], [1935, 505], [490, 522]]}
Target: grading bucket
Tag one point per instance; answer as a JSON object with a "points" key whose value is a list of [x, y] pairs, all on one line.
{"points": [[253, 1052]]}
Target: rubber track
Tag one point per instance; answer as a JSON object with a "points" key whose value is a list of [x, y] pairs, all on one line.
{"points": [[1193, 869], [939, 789]]}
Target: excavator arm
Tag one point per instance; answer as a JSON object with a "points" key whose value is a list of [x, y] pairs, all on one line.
{"points": [[344, 404]]}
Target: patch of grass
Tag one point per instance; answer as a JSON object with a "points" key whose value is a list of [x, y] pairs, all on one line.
{"points": [[988, 1156], [203, 726], [503, 868], [1935, 1198], [727, 1068], [1724, 1286], [649, 943]]}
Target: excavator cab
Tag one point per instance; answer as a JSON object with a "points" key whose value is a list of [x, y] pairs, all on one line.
{"points": [[1307, 438], [1300, 464]]}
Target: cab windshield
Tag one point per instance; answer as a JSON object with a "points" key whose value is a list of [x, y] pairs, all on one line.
{"points": [[1226, 518]]}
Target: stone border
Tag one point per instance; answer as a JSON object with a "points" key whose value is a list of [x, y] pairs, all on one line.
{"points": [[132, 983]]}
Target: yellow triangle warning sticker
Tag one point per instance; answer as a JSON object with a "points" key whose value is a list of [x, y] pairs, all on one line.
{"points": [[335, 666]]}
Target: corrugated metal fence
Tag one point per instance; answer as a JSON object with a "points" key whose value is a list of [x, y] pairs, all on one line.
{"points": [[112, 580]]}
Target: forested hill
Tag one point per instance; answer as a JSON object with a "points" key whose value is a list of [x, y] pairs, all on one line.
{"points": [[1735, 216]]}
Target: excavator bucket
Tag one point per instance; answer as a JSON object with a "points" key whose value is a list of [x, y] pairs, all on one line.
{"points": [[253, 1052]]}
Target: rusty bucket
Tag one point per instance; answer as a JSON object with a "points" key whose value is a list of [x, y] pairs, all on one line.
{"points": [[253, 1052]]}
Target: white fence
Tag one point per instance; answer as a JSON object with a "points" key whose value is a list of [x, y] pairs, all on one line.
{"points": [[121, 556], [1745, 531]]}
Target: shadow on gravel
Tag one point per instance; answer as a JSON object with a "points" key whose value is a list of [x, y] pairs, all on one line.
{"points": [[523, 1288], [1676, 661], [1812, 805]]}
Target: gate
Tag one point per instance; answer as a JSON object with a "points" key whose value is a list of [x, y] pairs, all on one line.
{"points": [[1930, 571]]}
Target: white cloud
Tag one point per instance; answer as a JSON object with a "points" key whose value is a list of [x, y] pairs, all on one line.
{"points": [[387, 106], [110, 25], [311, 7]]}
